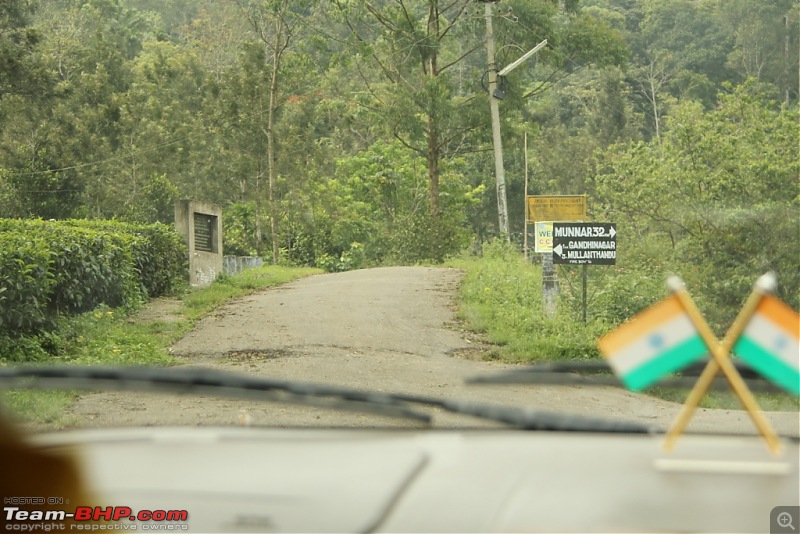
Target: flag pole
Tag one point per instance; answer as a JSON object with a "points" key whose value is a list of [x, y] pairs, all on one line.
{"points": [[720, 360]]}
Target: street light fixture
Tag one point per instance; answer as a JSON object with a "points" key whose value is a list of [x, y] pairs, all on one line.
{"points": [[525, 56]]}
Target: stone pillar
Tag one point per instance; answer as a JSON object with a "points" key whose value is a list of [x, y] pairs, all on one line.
{"points": [[549, 285], [200, 225]]}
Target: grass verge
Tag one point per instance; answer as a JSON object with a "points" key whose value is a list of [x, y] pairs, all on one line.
{"points": [[501, 300], [111, 337]]}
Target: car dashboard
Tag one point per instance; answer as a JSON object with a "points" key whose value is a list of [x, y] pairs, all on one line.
{"points": [[242, 479]]}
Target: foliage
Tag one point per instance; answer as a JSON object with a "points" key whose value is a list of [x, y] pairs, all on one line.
{"points": [[353, 258], [157, 202], [38, 406], [18, 42], [36, 189], [719, 193], [421, 238], [157, 253], [371, 126], [413, 94], [616, 293], [105, 335], [51, 268], [26, 282], [161, 258], [24, 348], [238, 230]]}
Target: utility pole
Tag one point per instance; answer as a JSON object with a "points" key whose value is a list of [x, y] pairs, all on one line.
{"points": [[499, 171], [494, 96], [525, 199]]}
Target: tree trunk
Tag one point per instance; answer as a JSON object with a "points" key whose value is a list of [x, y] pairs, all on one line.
{"points": [[434, 152], [433, 167], [259, 173], [273, 100], [786, 42], [656, 116]]}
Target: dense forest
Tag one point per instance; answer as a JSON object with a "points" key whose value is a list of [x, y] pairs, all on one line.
{"points": [[347, 133]]}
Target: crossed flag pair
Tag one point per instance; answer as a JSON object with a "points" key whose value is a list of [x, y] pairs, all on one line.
{"points": [[672, 334]]}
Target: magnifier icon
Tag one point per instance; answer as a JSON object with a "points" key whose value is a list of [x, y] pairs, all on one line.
{"points": [[785, 520]]}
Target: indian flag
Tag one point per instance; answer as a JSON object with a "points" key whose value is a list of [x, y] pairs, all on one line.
{"points": [[769, 343], [653, 343]]}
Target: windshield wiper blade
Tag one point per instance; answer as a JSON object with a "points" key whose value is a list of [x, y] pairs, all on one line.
{"points": [[220, 383], [203, 382], [600, 374], [531, 418]]}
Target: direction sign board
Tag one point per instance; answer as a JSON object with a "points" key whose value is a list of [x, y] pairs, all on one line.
{"points": [[585, 243], [556, 208]]}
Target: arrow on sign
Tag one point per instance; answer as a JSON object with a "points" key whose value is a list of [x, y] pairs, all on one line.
{"points": [[557, 250], [613, 231]]}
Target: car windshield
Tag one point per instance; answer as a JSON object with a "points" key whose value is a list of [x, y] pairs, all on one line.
{"points": [[323, 344], [426, 218]]}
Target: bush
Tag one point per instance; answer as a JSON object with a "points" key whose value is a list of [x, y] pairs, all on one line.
{"points": [[617, 292], [49, 268], [350, 259], [421, 238], [239, 230], [26, 282], [28, 348], [157, 250]]}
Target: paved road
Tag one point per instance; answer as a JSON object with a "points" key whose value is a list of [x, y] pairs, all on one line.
{"points": [[388, 329]]}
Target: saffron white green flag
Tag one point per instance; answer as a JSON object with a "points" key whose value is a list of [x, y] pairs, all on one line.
{"points": [[655, 342], [769, 343]]}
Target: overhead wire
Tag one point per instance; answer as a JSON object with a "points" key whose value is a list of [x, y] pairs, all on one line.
{"points": [[102, 161]]}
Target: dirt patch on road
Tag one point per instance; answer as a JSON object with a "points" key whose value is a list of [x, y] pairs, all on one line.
{"points": [[386, 330]]}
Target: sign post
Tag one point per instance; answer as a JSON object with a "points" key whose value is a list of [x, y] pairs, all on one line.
{"points": [[551, 208], [585, 243]]}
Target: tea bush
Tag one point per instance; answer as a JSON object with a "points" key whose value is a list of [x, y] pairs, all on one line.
{"points": [[48, 268]]}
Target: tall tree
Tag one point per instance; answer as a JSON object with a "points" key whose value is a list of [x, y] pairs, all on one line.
{"points": [[17, 44], [276, 23], [418, 48], [721, 189], [765, 38]]}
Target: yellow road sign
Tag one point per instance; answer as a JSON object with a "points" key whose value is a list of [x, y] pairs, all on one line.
{"points": [[556, 208]]}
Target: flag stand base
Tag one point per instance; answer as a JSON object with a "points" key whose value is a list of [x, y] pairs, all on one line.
{"points": [[722, 467]]}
